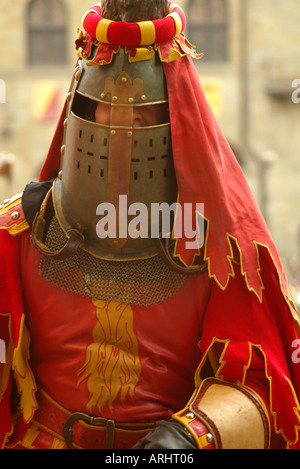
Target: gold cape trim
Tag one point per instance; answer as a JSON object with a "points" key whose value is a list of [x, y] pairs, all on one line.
{"points": [[218, 364]]}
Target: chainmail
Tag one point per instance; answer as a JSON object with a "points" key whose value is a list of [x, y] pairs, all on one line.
{"points": [[141, 282]]}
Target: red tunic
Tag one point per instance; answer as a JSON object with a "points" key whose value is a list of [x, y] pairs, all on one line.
{"points": [[65, 328]]}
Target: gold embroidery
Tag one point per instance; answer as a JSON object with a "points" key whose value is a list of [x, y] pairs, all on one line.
{"points": [[112, 365], [58, 444], [24, 377], [30, 436]]}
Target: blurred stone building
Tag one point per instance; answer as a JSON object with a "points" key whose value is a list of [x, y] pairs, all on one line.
{"points": [[38, 39], [250, 64]]}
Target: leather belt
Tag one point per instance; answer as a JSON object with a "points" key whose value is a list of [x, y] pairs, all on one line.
{"points": [[83, 431]]}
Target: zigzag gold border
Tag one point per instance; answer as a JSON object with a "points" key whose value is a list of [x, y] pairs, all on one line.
{"points": [[5, 374], [231, 260], [23, 374], [219, 363]]}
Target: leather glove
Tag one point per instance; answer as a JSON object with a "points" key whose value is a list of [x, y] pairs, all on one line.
{"points": [[168, 434]]}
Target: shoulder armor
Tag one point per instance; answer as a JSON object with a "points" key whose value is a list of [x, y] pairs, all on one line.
{"points": [[12, 216]]}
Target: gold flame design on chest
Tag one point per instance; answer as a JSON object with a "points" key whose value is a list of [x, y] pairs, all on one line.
{"points": [[112, 366]]}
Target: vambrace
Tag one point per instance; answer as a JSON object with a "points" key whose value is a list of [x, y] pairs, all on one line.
{"points": [[233, 416]]}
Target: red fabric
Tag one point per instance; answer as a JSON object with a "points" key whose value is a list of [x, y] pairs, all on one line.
{"points": [[128, 34], [164, 31], [12, 300], [105, 54], [124, 34], [60, 337], [211, 175], [256, 336], [91, 20], [181, 14], [255, 327], [11, 311], [51, 166]]}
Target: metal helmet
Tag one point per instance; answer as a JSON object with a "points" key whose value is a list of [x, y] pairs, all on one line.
{"points": [[117, 143]]}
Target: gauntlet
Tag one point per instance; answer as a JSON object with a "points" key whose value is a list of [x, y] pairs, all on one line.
{"points": [[220, 415], [234, 416]]}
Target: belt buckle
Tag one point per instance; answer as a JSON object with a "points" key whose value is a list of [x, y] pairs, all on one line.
{"points": [[68, 428]]}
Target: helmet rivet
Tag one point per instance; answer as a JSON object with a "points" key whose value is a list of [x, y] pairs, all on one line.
{"points": [[15, 215], [131, 100], [124, 79], [114, 99], [143, 97], [62, 150], [102, 95], [60, 174], [113, 132], [129, 133]]}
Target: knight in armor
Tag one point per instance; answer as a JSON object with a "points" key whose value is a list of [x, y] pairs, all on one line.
{"points": [[118, 338]]}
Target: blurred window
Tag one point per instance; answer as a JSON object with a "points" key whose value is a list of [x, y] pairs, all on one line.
{"points": [[47, 32], [207, 28]]}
